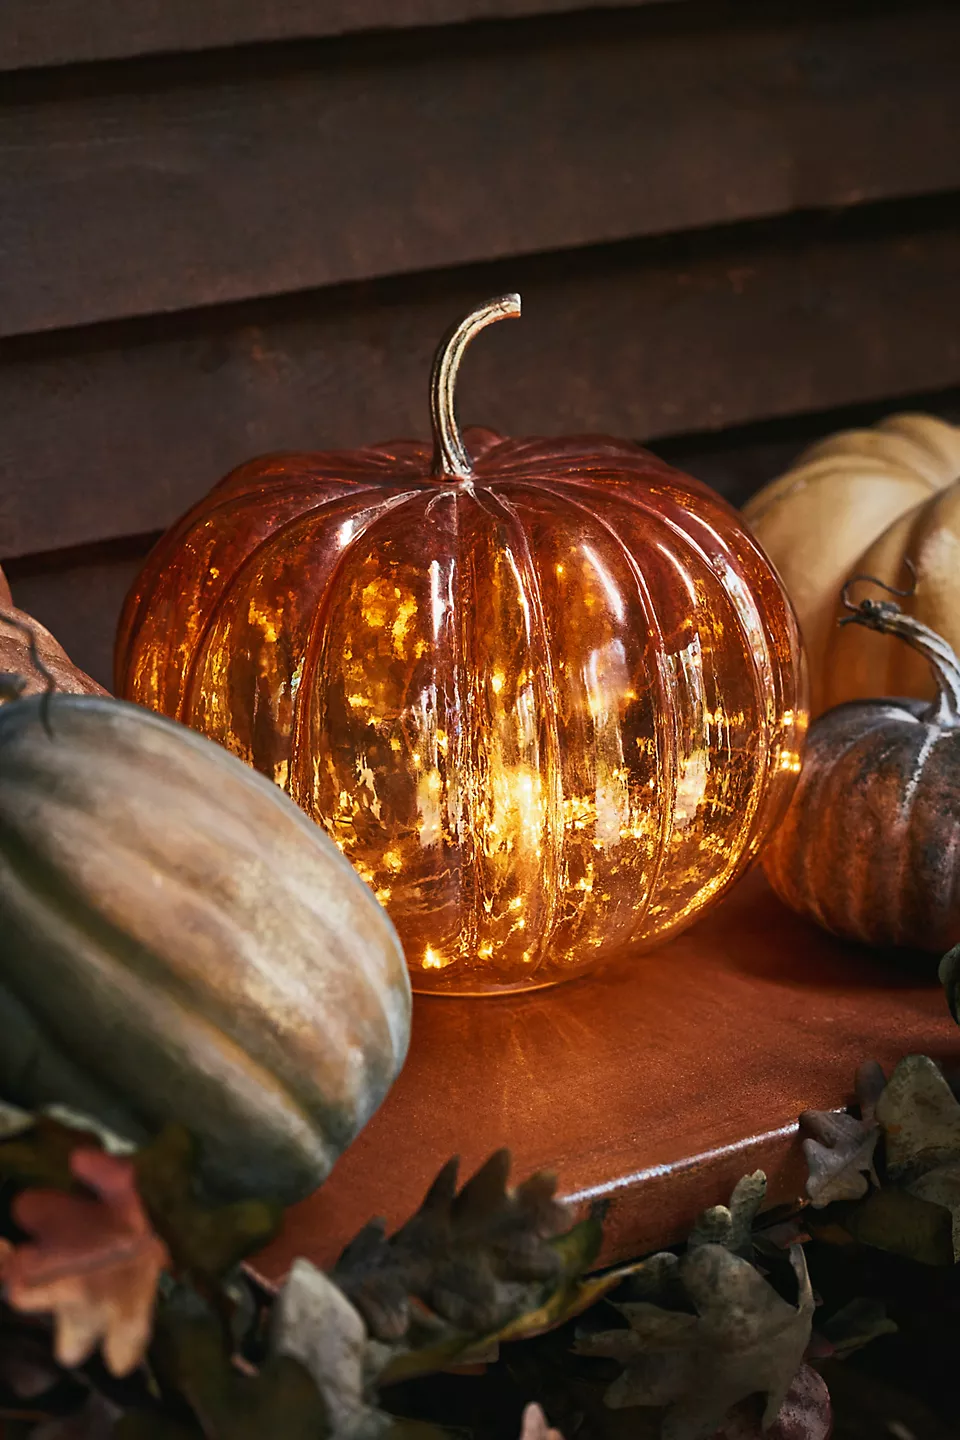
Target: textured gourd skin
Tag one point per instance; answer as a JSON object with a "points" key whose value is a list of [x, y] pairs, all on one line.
{"points": [[821, 522], [858, 664], [180, 943], [869, 846]]}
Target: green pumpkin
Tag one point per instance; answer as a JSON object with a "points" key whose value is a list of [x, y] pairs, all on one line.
{"points": [[179, 943]]}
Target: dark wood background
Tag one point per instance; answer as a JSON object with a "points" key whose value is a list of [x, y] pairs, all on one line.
{"points": [[241, 225]]}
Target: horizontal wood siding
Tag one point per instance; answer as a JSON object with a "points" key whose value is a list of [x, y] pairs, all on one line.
{"points": [[58, 32], [325, 164], [78, 593], [117, 434]]}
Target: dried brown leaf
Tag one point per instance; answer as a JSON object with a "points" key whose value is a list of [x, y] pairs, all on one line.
{"points": [[94, 1263], [920, 1117], [470, 1260], [740, 1338], [840, 1147], [732, 1225]]}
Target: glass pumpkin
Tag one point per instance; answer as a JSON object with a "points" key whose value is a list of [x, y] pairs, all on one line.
{"points": [[546, 695]]}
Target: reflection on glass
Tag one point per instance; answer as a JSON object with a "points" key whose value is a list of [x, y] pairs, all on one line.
{"points": [[547, 696], [547, 714]]}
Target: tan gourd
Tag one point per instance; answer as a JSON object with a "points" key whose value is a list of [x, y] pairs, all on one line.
{"points": [[861, 663], [819, 521]]}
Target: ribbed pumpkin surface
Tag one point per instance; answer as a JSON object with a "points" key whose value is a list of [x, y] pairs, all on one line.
{"points": [[818, 521], [180, 943], [547, 710], [869, 847]]}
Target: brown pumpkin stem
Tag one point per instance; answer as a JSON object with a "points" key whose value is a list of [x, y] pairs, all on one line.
{"points": [[450, 459], [886, 617]]}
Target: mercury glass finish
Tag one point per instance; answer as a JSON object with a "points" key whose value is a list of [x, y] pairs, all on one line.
{"points": [[546, 695]]}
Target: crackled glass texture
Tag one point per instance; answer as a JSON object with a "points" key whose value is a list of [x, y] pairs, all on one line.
{"points": [[548, 712]]}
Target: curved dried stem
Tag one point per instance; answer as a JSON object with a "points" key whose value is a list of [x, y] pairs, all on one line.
{"points": [[450, 458], [886, 617], [881, 585]]}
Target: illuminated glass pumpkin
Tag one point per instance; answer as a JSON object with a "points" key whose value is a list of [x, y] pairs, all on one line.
{"points": [[546, 695]]}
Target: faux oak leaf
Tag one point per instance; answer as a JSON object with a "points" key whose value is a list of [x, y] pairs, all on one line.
{"points": [[916, 1212], [94, 1263], [470, 1261], [732, 1225], [921, 1123], [205, 1241], [574, 1290], [920, 1117], [892, 1219], [189, 1356], [315, 1324], [738, 1338], [839, 1147]]}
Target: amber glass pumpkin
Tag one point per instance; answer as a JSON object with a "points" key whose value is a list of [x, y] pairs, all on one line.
{"points": [[545, 694]]}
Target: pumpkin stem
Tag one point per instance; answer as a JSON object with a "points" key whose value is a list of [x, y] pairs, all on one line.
{"points": [[886, 617], [450, 459]]}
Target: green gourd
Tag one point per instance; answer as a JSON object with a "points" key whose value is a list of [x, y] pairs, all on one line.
{"points": [[180, 943]]}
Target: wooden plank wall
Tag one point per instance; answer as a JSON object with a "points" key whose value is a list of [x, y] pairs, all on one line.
{"points": [[230, 228]]}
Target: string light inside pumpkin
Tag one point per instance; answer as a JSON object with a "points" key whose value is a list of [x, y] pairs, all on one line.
{"points": [[546, 695]]}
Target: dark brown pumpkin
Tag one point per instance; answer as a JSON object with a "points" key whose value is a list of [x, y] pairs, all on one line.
{"points": [[870, 847]]}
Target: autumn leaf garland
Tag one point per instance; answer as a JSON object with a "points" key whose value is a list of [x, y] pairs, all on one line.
{"points": [[93, 1263], [890, 1175]]}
